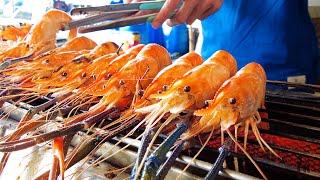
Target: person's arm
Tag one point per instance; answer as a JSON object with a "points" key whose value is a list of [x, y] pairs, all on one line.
{"points": [[188, 13]]}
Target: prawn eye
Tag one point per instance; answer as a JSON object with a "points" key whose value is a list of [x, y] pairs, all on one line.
{"points": [[84, 75], [140, 92], [121, 82], [183, 113], [165, 87], [94, 76], [187, 89], [206, 103], [108, 76], [64, 74], [232, 100], [46, 61]]}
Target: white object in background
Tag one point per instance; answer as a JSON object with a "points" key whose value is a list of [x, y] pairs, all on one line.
{"points": [[302, 79], [197, 24], [314, 3]]}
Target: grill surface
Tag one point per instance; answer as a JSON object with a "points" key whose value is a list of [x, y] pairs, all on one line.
{"points": [[290, 125]]}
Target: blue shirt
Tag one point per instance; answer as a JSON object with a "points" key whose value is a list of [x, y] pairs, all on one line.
{"points": [[278, 34]]}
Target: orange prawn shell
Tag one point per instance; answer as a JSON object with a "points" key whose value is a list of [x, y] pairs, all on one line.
{"points": [[122, 86], [48, 26], [123, 59], [150, 60], [77, 44], [247, 88], [79, 64], [114, 66], [15, 33], [170, 74], [203, 81], [103, 49], [42, 36]]}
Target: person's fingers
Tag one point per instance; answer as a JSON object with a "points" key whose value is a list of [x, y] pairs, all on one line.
{"points": [[197, 12], [212, 9], [183, 13], [168, 7]]}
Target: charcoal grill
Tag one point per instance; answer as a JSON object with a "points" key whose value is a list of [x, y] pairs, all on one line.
{"points": [[290, 125]]}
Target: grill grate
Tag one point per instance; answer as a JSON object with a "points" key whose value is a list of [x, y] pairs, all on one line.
{"points": [[291, 127]]}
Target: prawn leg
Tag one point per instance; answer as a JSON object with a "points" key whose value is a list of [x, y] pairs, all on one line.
{"points": [[91, 145], [28, 142], [54, 172], [261, 141], [23, 127], [155, 160], [58, 152], [12, 61]]}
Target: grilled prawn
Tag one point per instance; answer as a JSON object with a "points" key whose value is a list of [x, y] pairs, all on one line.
{"points": [[42, 36], [235, 103]]}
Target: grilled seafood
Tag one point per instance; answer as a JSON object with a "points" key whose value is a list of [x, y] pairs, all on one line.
{"points": [[70, 71], [235, 104], [42, 36], [187, 92], [140, 82], [168, 76], [142, 69], [13, 33], [51, 60]]}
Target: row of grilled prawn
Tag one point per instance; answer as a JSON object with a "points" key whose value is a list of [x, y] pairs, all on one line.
{"points": [[118, 90], [142, 82]]}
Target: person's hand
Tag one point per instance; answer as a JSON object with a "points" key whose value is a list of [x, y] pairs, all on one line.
{"points": [[188, 13]]}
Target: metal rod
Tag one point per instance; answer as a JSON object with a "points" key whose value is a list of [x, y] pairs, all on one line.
{"points": [[314, 87], [165, 168], [141, 151], [217, 166], [155, 160]]}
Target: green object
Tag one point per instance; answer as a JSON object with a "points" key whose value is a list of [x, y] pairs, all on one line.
{"points": [[152, 5]]}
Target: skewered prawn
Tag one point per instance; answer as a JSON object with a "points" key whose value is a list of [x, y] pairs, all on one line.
{"points": [[13, 33], [41, 37], [236, 103], [114, 66], [168, 76], [76, 67], [142, 69], [162, 82], [187, 92], [52, 59], [122, 86], [63, 95]]}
